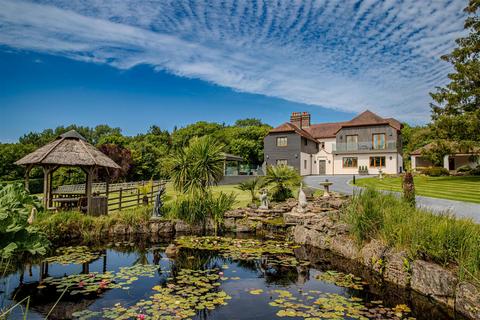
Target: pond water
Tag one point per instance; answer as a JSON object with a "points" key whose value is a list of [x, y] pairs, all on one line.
{"points": [[208, 278]]}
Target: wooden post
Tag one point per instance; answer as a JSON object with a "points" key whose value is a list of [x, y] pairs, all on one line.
{"points": [[138, 196], [88, 189], [151, 193], [120, 199]]}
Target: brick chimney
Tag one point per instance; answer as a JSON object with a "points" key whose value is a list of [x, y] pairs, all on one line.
{"points": [[305, 119], [300, 119]]}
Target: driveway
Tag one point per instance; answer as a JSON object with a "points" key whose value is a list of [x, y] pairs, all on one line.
{"points": [[458, 208]]}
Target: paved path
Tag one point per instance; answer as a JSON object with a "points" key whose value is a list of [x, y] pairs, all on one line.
{"points": [[459, 208]]}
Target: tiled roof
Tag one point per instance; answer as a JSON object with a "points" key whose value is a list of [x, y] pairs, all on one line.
{"points": [[289, 127], [324, 130], [329, 130], [368, 118]]}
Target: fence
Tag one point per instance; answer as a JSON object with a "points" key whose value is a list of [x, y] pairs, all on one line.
{"points": [[120, 195]]}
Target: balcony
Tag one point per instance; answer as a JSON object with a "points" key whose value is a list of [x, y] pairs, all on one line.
{"points": [[364, 147]]}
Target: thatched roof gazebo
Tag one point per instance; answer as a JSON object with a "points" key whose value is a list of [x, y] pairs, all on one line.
{"points": [[68, 150]]}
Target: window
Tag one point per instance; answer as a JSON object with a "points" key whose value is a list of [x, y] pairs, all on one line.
{"points": [[350, 162], [282, 142], [352, 142], [282, 162], [378, 141], [377, 161], [304, 164]]}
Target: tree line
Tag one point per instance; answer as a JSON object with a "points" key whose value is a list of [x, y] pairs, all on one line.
{"points": [[141, 157]]}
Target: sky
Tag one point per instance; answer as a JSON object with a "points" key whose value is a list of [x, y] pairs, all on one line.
{"points": [[134, 63]]}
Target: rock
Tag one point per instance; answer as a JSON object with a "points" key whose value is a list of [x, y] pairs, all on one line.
{"points": [[237, 213], [344, 246], [311, 237], [435, 281], [297, 218], [229, 224], [467, 300], [171, 251], [183, 227], [245, 225], [397, 268], [372, 255]]}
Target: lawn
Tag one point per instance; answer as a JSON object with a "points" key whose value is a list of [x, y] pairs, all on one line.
{"points": [[453, 188]]}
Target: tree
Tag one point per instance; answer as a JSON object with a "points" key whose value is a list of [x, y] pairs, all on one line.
{"points": [[282, 178], [198, 166], [122, 156], [456, 114], [249, 122], [408, 188]]}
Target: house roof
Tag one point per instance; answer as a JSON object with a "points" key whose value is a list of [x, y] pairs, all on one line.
{"points": [[289, 127], [69, 149], [368, 118], [430, 145], [329, 130], [324, 130]]}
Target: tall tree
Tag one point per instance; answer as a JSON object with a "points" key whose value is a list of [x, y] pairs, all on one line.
{"points": [[456, 113]]}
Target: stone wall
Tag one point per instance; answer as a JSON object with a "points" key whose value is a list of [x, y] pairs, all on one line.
{"points": [[325, 231]]}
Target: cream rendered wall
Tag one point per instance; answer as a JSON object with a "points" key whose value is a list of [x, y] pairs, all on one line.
{"points": [[309, 158], [324, 154], [391, 165]]}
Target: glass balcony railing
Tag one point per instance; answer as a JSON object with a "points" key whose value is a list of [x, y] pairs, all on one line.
{"points": [[364, 146]]}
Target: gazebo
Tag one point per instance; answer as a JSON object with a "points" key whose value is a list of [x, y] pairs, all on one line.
{"points": [[68, 150]]}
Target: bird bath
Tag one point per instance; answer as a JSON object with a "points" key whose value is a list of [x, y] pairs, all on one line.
{"points": [[326, 188]]}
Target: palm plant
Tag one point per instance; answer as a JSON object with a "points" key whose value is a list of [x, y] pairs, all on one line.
{"points": [[197, 166], [282, 178], [252, 186]]}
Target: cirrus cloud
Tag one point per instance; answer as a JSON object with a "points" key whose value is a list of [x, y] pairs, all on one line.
{"points": [[345, 55]]}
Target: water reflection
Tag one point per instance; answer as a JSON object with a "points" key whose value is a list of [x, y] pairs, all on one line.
{"points": [[263, 274]]}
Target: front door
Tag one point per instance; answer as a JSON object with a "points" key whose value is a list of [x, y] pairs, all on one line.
{"points": [[322, 166], [451, 163]]}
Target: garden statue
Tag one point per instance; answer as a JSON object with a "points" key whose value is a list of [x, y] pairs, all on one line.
{"points": [[33, 215], [302, 200], [157, 208], [264, 200], [380, 174]]}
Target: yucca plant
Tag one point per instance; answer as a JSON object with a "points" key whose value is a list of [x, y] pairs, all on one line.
{"points": [[282, 178], [252, 186]]}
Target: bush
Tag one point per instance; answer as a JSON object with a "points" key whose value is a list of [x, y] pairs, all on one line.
{"points": [[465, 168], [435, 171], [17, 236], [441, 238], [283, 178], [476, 171]]}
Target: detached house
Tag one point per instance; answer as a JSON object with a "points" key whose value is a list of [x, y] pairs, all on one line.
{"points": [[368, 141]]}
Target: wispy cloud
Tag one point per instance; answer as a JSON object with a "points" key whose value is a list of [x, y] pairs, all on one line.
{"points": [[346, 55]]}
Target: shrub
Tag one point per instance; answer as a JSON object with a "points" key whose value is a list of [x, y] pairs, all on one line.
{"points": [[408, 189], [282, 178], [476, 171], [441, 238], [17, 236], [252, 186], [435, 171], [464, 168]]}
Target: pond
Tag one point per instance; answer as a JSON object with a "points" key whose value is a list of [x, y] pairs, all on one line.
{"points": [[207, 278]]}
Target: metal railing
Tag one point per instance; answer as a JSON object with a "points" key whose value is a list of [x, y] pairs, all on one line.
{"points": [[364, 146]]}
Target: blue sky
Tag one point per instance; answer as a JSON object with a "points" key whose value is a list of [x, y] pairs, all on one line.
{"points": [[136, 63]]}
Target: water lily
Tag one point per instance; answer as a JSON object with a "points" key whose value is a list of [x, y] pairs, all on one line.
{"points": [[141, 316]]}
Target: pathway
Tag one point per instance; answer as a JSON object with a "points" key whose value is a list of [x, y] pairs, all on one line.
{"points": [[459, 208]]}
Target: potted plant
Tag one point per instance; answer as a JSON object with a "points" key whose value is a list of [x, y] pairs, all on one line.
{"points": [[144, 190]]}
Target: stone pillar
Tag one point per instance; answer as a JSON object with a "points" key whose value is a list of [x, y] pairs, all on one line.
{"points": [[445, 161]]}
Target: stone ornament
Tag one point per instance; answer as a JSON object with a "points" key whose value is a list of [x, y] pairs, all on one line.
{"points": [[264, 200]]}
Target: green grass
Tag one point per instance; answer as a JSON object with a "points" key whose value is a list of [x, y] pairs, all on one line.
{"points": [[440, 238], [466, 188]]}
